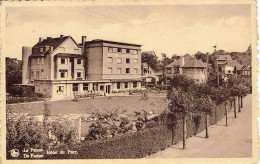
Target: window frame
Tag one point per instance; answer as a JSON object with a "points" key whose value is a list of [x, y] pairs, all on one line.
{"points": [[62, 59], [119, 68], [79, 73], [37, 73], [110, 70], [42, 70], [110, 59], [118, 61], [32, 73], [60, 89], [79, 63], [62, 71], [110, 49], [75, 87], [134, 84], [127, 59], [103, 88], [118, 85], [38, 61], [126, 85], [128, 72], [85, 86], [42, 60], [136, 70], [76, 50]]}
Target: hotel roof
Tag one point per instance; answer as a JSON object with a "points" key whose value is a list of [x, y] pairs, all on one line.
{"points": [[111, 42]]}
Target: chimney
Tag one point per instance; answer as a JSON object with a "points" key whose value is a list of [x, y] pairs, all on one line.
{"points": [[40, 39], [83, 44], [51, 49], [61, 36], [85, 56], [182, 61]]}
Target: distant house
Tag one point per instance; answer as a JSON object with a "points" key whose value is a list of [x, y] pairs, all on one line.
{"points": [[232, 67], [174, 67], [195, 69], [223, 59], [246, 71], [148, 75], [188, 66]]}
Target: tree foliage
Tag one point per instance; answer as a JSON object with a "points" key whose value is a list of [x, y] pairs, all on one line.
{"points": [[182, 82], [180, 101], [151, 59], [13, 73]]}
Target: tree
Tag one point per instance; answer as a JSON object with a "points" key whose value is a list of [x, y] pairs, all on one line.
{"points": [[175, 57], [201, 56], [205, 105], [186, 84], [182, 104], [234, 90], [239, 88], [13, 73], [151, 59]]}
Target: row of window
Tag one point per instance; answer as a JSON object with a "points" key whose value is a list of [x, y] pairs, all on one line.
{"points": [[65, 61], [41, 49], [119, 70], [122, 50], [61, 49], [37, 74], [75, 87], [64, 73], [118, 85], [119, 60], [190, 71], [37, 61], [75, 50]]}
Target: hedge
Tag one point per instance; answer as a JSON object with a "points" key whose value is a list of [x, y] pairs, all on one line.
{"points": [[12, 99], [143, 142], [21, 90]]}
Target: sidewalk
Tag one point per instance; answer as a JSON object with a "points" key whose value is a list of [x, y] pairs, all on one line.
{"points": [[234, 141]]}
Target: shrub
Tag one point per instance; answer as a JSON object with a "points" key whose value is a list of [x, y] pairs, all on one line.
{"points": [[26, 132], [21, 90], [12, 100]]}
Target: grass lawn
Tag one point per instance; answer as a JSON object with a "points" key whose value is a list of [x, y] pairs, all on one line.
{"points": [[83, 106]]}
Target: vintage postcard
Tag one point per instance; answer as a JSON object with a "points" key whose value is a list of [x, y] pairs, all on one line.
{"points": [[129, 81]]}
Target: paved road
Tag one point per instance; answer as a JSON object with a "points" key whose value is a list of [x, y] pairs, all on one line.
{"points": [[223, 142]]}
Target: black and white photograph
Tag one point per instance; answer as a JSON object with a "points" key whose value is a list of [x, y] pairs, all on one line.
{"points": [[129, 80]]}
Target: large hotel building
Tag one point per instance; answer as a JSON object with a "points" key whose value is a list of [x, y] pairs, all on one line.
{"points": [[59, 67]]}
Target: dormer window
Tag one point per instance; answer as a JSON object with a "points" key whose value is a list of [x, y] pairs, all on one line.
{"points": [[41, 49]]}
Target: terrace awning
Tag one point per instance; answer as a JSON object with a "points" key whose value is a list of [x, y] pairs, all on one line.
{"points": [[126, 80]]}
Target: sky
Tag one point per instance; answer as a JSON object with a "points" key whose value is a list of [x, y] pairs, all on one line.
{"points": [[170, 29]]}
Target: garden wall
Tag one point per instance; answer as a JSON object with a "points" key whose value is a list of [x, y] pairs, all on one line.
{"points": [[145, 142]]}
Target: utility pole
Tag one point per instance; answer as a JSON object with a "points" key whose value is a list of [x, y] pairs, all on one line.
{"points": [[217, 71], [207, 71], [217, 63], [164, 70]]}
